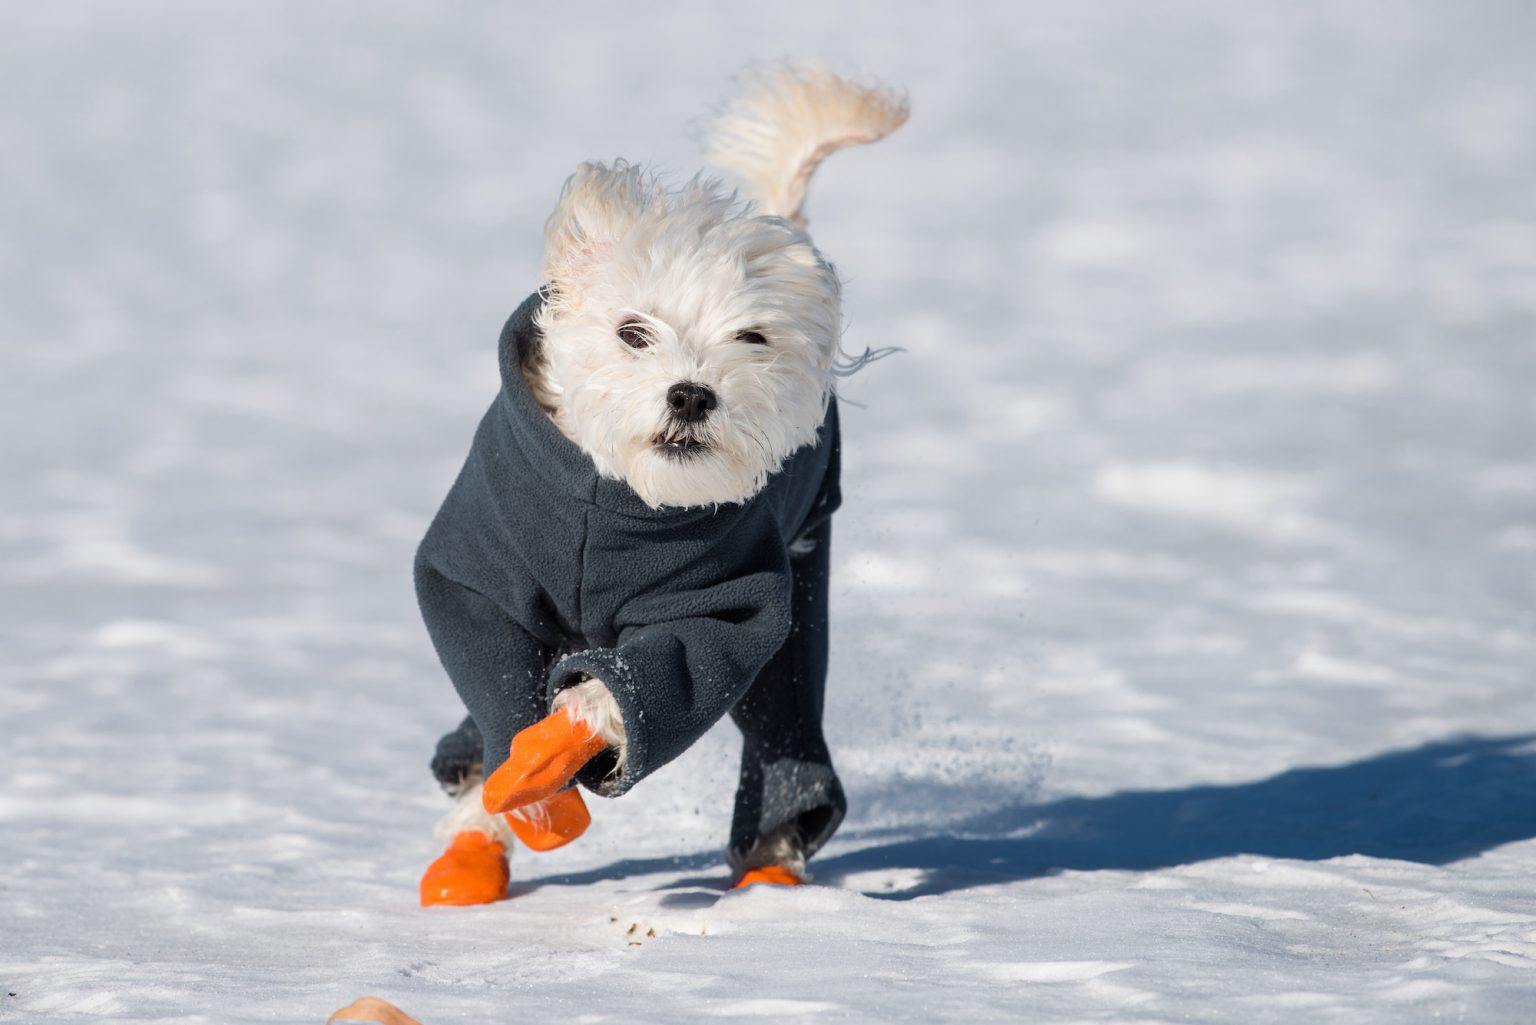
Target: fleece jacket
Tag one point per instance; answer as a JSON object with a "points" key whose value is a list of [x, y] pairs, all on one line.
{"points": [[538, 573]]}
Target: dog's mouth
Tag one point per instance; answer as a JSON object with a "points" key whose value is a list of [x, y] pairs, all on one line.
{"points": [[679, 444]]}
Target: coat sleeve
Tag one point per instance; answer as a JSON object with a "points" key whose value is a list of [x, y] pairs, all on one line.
{"points": [[682, 661], [497, 667]]}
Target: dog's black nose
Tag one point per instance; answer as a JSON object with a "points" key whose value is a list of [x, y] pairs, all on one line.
{"points": [[690, 402]]}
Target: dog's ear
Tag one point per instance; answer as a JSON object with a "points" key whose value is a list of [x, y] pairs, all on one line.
{"points": [[597, 207]]}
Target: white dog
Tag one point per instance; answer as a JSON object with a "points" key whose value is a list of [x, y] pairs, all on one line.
{"points": [[687, 345]]}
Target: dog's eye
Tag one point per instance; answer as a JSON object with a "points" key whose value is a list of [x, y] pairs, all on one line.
{"points": [[633, 334], [752, 338]]}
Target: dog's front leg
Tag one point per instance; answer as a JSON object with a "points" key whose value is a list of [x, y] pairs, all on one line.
{"points": [[585, 721], [591, 702]]}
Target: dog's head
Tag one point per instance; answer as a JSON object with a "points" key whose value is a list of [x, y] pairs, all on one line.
{"points": [[688, 345]]}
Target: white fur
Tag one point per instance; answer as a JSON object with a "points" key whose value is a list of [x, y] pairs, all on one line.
{"points": [[787, 121], [781, 848], [591, 702], [469, 815]]}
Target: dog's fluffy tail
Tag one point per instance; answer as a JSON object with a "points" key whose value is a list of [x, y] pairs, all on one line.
{"points": [[787, 121]]}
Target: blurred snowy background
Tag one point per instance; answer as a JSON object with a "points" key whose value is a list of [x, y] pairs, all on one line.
{"points": [[1183, 658]]}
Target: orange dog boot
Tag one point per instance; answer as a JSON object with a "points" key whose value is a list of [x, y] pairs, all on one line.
{"points": [[543, 759], [552, 822], [473, 870], [778, 875]]}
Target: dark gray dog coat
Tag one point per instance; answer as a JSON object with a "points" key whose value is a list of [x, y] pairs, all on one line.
{"points": [[538, 573]]}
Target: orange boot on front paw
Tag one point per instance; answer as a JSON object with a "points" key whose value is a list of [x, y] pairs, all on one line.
{"points": [[473, 870], [541, 762], [552, 822]]}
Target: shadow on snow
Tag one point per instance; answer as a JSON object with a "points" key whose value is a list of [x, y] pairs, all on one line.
{"points": [[1434, 804]]}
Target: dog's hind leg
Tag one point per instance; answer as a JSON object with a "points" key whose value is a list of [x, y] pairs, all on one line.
{"points": [[789, 801], [457, 762]]}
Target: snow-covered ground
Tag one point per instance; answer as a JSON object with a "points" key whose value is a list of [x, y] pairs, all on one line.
{"points": [[1183, 666]]}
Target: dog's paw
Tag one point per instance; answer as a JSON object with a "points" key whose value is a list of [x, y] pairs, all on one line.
{"points": [[457, 763], [777, 857]]}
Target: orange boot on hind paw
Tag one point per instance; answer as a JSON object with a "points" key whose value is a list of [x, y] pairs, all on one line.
{"points": [[473, 870], [778, 875], [552, 822], [543, 759]]}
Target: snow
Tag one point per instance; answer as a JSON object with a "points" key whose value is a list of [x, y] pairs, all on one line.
{"points": [[1184, 592]]}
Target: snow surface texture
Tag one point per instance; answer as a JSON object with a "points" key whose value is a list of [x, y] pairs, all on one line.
{"points": [[1183, 659]]}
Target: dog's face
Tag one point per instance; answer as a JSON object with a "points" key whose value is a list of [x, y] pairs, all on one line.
{"points": [[687, 348]]}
